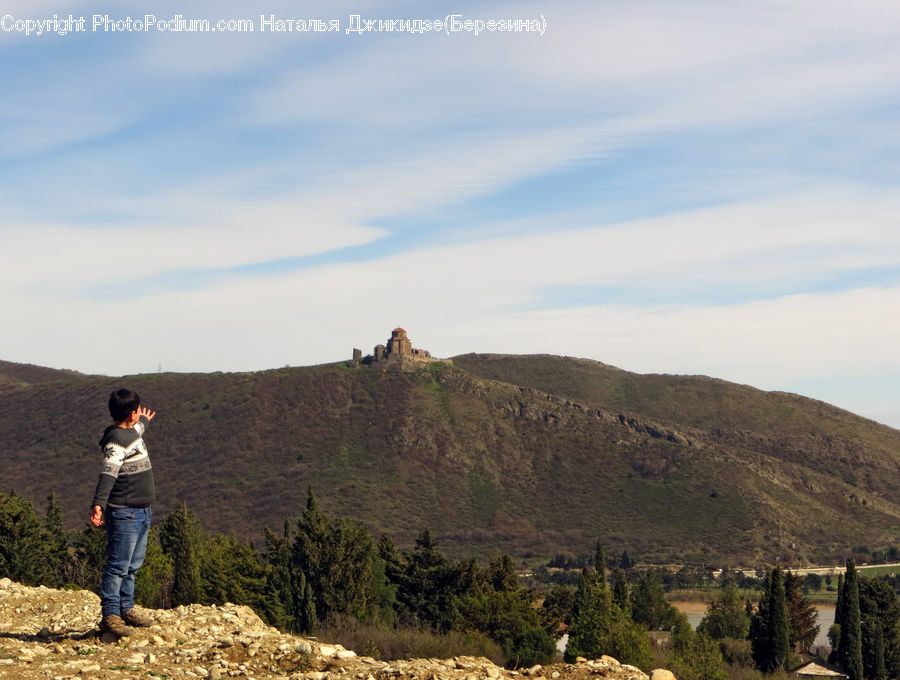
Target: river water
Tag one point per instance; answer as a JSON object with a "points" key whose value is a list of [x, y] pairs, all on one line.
{"points": [[825, 621]]}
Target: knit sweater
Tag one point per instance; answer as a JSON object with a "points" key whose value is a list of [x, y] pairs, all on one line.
{"points": [[127, 477]]}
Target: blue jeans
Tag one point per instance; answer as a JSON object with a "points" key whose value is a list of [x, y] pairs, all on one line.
{"points": [[126, 546]]}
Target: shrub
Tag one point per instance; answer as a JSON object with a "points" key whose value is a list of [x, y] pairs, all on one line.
{"points": [[736, 652], [408, 643]]}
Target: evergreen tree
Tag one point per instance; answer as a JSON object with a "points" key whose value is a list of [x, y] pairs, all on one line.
{"points": [[802, 615], [387, 552], [180, 537], [154, 580], [557, 609], [625, 640], [839, 606], [696, 657], [874, 667], [305, 617], [429, 585], [599, 626], [851, 626], [682, 633], [880, 613], [279, 601], [620, 590], [21, 550], [53, 544], [508, 618], [231, 571], [384, 594], [779, 623], [726, 615], [589, 612], [335, 561], [600, 565], [501, 574], [834, 633], [834, 639], [769, 627], [86, 559], [649, 605]]}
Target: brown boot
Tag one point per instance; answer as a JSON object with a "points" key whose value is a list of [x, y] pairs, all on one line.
{"points": [[115, 625], [133, 618]]}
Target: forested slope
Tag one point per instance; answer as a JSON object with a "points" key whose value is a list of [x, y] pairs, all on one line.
{"points": [[518, 454]]}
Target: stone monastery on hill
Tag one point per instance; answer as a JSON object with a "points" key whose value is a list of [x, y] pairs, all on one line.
{"points": [[398, 349]]}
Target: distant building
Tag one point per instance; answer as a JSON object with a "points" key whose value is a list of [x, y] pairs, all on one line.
{"points": [[399, 343], [398, 349], [817, 669]]}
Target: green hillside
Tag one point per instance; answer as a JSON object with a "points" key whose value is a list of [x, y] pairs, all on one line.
{"points": [[531, 455]]}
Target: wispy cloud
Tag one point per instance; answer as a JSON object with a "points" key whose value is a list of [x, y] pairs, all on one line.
{"points": [[695, 188]]}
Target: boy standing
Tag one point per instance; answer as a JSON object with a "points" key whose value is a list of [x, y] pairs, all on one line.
{"points": [[125, 491]]}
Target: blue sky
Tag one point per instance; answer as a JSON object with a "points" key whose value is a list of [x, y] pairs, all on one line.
{"points": [[695, 187]]}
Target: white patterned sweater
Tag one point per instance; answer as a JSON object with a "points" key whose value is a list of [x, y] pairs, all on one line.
{"points": [[127, 477]]}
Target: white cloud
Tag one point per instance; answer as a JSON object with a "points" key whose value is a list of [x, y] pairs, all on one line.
{"points": [[481, 292], [203, 226], [425, 123], [66, 258], [671, 65]]}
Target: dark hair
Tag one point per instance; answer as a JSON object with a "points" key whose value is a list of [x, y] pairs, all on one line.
{"points": [[122, 403]]}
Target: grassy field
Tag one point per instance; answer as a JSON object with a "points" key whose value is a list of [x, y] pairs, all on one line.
{"points": [[875, 570]]}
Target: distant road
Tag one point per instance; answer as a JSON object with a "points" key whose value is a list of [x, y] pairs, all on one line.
{"points": [[833, 571]]}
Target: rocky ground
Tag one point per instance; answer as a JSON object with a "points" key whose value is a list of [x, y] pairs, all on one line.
{"points": [[50, 634]]}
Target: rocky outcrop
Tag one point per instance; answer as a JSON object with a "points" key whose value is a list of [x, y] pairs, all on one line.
{"points": [[52, 634]]}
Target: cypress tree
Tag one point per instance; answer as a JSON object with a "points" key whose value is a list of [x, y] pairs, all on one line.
{"points": [[851, 626], [769, 628], [880, 669], [760, 640], [620, 590], [779, 625], [834, 633], [179, 538], [53, 544], [839, 606], [304, 614], [879, 609], [279, 599], [600, 566], [874, 665]]}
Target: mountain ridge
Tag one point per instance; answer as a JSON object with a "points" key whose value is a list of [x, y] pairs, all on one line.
{"points": [[526, 454]]}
